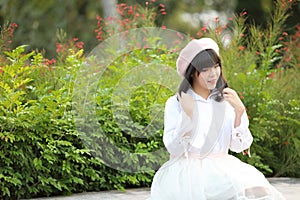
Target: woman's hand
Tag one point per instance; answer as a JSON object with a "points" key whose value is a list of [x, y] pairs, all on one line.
{"points": [[187, 103], [232, 97]]}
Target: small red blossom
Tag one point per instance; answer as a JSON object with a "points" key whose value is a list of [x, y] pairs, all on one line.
{"points": [[130, 11], [241, 48], [163, 27], [7, 35], [272, 75], [199, 34], [204, 29], [243, 13], [15, 25], [79, 45], [257, 53], [246, 152], [58, 47], [288, 59], [49, 62]]}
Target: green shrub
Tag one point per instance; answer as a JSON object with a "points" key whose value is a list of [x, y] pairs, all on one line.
{"points": [[56, 141], [262, 66]]}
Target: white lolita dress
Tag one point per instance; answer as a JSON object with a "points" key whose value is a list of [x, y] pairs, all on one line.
{"points": [[200, 167]]}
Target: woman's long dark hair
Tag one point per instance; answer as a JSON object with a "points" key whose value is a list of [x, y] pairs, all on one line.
{"points": [[204, 59]]}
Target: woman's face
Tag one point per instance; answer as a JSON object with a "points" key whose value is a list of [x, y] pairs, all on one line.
{"points": [[208, 77]]}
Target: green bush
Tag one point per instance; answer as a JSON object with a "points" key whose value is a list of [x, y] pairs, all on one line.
{"points": [[263, 66], [52, 144]]}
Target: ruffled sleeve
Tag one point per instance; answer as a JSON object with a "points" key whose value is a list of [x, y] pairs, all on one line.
{"points": [[241, 138], [176, 124]]}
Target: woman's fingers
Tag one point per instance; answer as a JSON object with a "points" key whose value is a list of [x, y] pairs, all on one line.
{"points": [[232, 97], [187, 103]]}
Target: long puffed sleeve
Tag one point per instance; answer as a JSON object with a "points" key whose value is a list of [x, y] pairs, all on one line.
{"points": [[176, 124], [241, 138]]}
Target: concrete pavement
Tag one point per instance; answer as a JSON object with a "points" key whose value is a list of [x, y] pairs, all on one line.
{"points": [[290, 188]]}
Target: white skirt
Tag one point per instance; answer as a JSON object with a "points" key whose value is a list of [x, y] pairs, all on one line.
{"points": [[213, 178]]}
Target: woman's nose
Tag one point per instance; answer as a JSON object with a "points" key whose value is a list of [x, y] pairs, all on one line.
{"points": [[213, 72]]}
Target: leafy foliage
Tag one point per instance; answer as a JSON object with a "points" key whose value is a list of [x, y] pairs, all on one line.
{"points": [[265, 76], [47, 149]]}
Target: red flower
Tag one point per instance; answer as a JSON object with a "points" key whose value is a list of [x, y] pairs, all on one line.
{"points": [[241, 48], [58, 47], [14, 25], [79, 45], [288, 59], [243, 13], [272, 75], [199, 34], [246, 152]]}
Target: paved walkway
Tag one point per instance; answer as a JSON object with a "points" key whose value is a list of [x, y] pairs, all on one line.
{"points": [[290, 188]]}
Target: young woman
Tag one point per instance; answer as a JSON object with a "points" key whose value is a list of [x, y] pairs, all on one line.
{"points": [[203, 121]]}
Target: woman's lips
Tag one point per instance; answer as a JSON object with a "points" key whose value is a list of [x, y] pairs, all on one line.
{"points": [[214, 81]]}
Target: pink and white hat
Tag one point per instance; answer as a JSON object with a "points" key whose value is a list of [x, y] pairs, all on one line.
{"points": [[194, 47]]}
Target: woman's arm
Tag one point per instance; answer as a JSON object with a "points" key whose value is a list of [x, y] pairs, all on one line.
{"points": [[241, 138], [177, 126]]}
